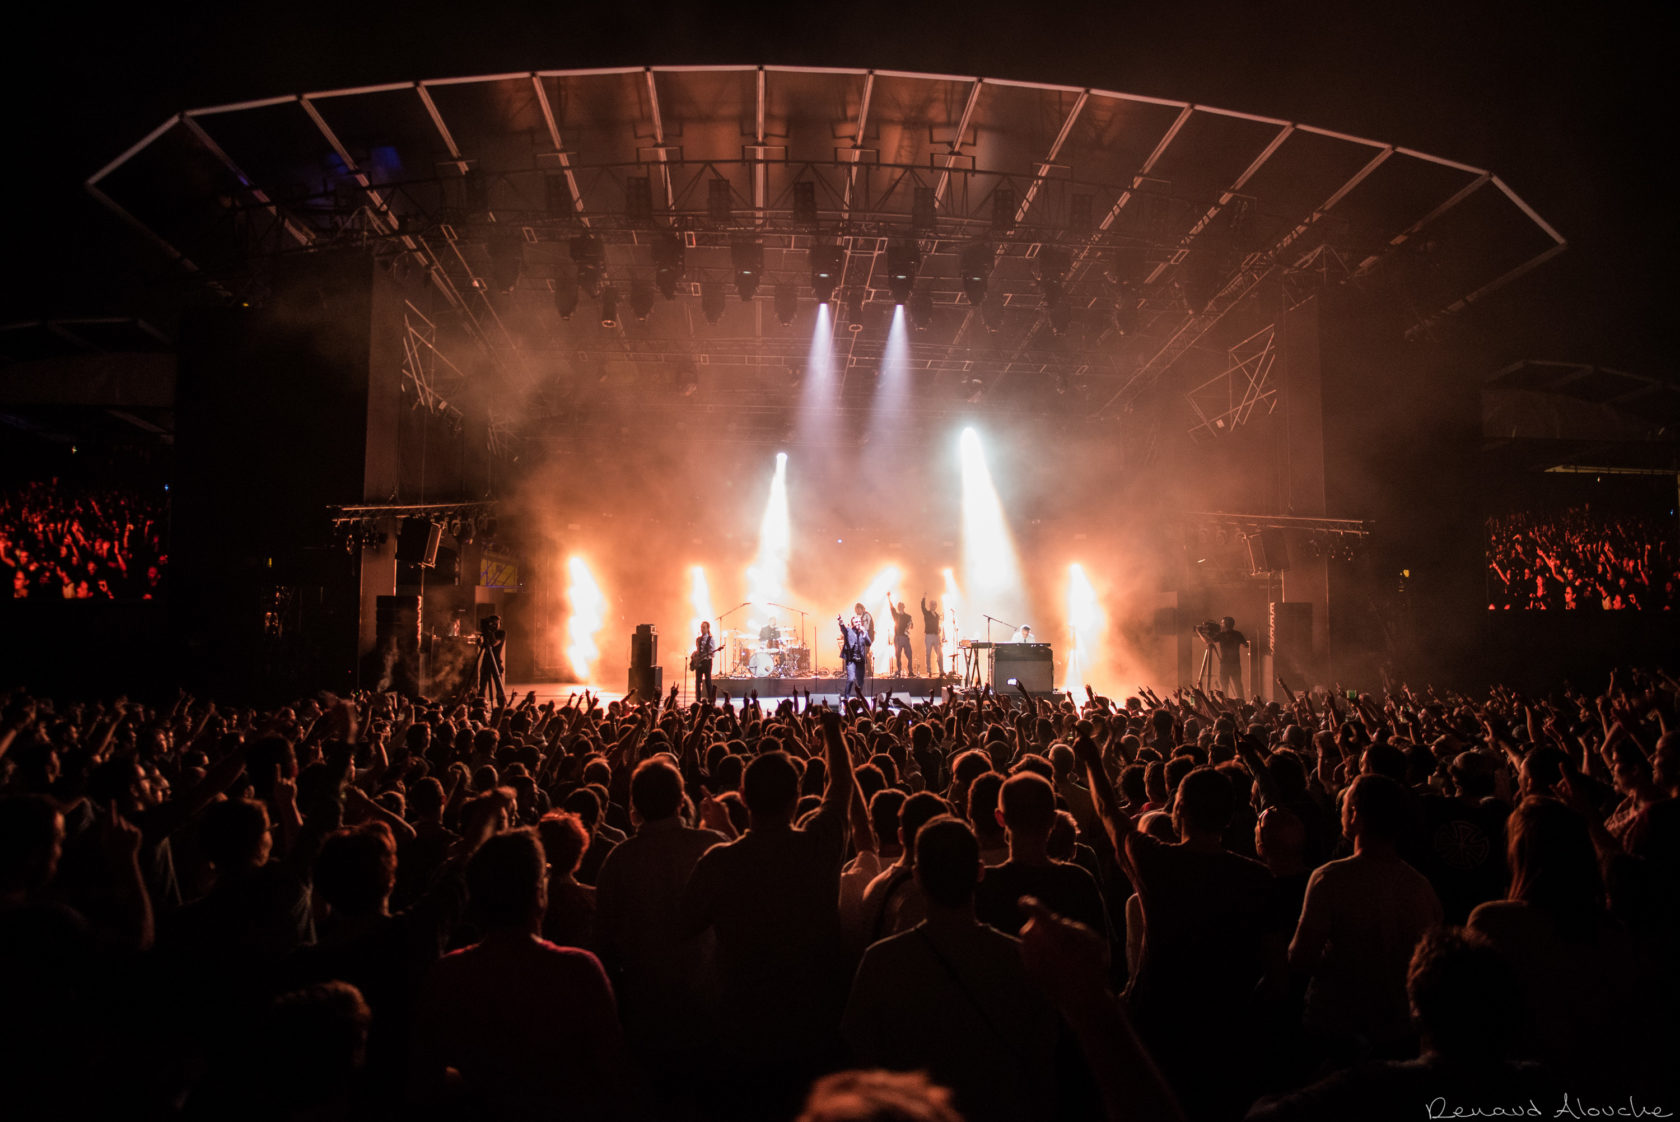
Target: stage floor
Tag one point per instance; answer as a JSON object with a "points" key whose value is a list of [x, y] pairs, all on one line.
{"points": [[819, 686]]}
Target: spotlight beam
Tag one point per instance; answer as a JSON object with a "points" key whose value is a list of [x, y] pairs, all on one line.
{"points": [[991, 569], [768, 573]]}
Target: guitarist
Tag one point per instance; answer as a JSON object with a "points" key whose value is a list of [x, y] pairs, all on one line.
{"points": [[701, 660], [854, 653]]}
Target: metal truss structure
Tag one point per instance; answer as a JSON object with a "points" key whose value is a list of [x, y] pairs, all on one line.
{"points": [[1355, 528], [1069, 242], [1561, 416], [427, 372], [1228, 400]]}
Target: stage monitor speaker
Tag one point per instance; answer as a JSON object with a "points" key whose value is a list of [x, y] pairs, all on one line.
{"points": [[647, 681], [417, 541], [396, 624], [1028, 664], [644, 646], [1268, 552], [1290, 638]]}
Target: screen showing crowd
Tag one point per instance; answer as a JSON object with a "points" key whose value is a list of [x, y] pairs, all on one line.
{"points": [[1581, 558], [62, 540]]}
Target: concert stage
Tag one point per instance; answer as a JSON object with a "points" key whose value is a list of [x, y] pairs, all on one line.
{"points": [[821, 687], [817, 685]]}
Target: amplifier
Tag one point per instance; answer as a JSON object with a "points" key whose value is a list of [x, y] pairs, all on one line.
{"points": [[647, 681], [1027, 664]]}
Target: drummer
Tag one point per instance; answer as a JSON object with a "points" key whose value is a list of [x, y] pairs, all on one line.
{"points": [[770, 635]]}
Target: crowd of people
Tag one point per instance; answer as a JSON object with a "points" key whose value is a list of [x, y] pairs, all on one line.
{"points": [[980, 907], [59, 541], [1582, 559]]}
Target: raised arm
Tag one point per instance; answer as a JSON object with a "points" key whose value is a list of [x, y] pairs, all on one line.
{"points": [[838, 791], [1115, 820]]}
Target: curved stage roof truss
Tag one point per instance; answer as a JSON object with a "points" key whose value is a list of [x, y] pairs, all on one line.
{"points": [[1119, 231]]}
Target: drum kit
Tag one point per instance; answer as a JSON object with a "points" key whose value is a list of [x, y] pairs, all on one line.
{"points": [[770, 652]]}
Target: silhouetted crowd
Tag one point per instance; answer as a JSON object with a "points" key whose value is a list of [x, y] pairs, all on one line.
{"points": [[59, 541], [1582, 560], [985, 907]]}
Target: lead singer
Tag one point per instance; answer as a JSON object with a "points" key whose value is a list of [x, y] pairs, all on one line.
{"points": [[854, 654]]}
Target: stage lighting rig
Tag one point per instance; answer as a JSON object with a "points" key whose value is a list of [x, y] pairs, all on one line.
{"points": [[565, 295], [609, 306], [920, 308], [687, 378], [669, 259], [590, 259], [1060, 315], [903, 259], [507, 262], [641, 298], [747, 256], [977, 261], [1053, 263], [827, 263], [787, 304], [712, 301]]}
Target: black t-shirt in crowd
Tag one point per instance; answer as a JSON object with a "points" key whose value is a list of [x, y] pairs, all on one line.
{"points": [[1065, 889]]}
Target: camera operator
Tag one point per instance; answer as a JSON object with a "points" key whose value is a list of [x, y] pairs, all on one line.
{"points": [[491, 640], [1227, 642]]}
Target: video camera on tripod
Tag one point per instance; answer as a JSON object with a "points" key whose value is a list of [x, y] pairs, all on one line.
{"points": [[1209, 629]]}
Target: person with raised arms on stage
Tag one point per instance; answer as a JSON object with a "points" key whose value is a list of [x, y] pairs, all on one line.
{"points": [[901, 638], [933, 647], [705, 646], [855, 641]]}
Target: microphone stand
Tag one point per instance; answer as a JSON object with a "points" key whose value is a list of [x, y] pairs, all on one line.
{"points": [[722, 636], [993, 651], [801, 612]]}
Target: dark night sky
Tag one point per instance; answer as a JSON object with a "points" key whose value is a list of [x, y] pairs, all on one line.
{"points": [[1569, 104]]}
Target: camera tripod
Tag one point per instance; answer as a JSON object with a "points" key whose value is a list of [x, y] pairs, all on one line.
{"points": [[1204, 676]]}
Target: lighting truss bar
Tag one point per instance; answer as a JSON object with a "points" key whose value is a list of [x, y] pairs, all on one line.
{"points": [[1220, 204], [956, 141], [1349, 527], [302, 237], [560, 152], [1045, 164], [1239, 286], [443, 129], [857, 142], [659, 139], [417, 510]]}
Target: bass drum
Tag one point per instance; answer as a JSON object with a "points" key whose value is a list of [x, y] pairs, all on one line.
{"points": [[762, 664]]}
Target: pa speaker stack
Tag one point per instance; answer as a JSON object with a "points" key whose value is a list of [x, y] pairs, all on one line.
{"points": [[646, 679], [1290, 638], [1268, 552], [417, 542], [397, 631]]}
